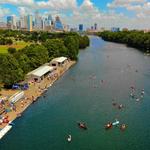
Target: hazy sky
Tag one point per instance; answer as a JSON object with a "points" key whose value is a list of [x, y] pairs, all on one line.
{"points": [[107, 13]]}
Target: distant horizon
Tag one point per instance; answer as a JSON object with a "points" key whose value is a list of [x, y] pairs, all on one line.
{"points": [[131, 14]]}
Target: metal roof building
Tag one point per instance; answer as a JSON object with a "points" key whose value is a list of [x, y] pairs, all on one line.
{"points": [[40, 72], [58, 61]]}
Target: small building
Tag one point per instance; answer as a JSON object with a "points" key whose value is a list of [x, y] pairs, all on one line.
{"points": [[39, 73], [59, 62], [16, 97]]}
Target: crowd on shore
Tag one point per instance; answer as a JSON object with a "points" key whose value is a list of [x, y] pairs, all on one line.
{"points": [[36, 89]]}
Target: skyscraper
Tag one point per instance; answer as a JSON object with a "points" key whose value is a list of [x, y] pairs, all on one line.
{"points": [[23, 22], [95, 26], [38, 24], [80, 27], [11, 22], [29, 23], [42, 24], [50, 20], [58, 24]]}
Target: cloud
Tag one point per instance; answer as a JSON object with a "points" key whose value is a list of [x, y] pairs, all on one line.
{"points": [[50, 4], [141, 8], [88, 13], [24, 11], [18, 2], [124, 3], [4, 12], [61, 4]]}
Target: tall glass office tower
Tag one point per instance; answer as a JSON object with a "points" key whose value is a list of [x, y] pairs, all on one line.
{"points": [[58, 24], [80, 27]]}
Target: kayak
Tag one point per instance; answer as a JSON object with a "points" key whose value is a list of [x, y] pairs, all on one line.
{"points": [[115, 123], [82, 125], [69, 138], [108, 125], [123, 127]]}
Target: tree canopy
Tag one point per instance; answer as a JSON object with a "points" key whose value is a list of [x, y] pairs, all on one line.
{"points": [[37, 54], [11, 50], [15, 64], [84, 42], [137, 39], [55, 48], [70, 43], [10, 70]]}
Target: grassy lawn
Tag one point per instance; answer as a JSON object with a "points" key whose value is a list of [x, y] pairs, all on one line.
{"points": [[18, 45]]}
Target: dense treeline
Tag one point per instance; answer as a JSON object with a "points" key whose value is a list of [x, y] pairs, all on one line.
{"points": [[84, 42], [34, 36], [137, 39], [16, 64], [5, 41]]}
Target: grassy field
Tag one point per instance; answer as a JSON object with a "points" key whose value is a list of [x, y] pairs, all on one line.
{"points": [[18, 45]]}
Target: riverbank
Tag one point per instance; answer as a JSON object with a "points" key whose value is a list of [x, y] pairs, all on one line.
{"points": [[135, 39], [104, 71], [33, 93]]}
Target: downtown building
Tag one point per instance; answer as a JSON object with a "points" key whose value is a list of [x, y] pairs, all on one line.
{"points": [[30, 23], [48, 23], [11, 22], [93, 28], [80, 27], [58, 26], [23, 23], [36, 23]]}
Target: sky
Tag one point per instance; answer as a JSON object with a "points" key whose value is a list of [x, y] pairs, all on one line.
{"points": [[132, 14]]}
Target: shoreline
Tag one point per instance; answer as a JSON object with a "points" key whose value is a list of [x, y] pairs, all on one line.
{"points": [[35, 91]]}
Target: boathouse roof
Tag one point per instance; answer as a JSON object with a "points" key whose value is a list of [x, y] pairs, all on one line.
{"points": [[59, 59], [42, 70]]}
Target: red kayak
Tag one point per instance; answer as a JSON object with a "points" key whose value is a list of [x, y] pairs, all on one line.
{"points": [[108, 125], [82, 125]]}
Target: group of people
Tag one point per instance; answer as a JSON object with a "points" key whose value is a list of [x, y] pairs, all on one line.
{"points": [[136, 97]]}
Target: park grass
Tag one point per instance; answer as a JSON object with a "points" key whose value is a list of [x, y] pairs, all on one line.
{"points": [[18, 45]]}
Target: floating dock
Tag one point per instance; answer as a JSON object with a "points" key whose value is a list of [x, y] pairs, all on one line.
{"points": [[5, 130]]}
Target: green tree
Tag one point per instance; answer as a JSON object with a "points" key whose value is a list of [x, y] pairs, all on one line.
{"points": [[43, 36], [55, 48], [10, 71], [1, 60], [11, 50], [8, 42], [24, 63], [70, 43], [137, 39], [37, 54], [83, 42]]}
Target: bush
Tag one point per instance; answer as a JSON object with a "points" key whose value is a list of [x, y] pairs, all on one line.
{"points": [[11, 50]]}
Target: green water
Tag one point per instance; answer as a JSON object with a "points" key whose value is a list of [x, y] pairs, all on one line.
{"points": [[80, 96]]}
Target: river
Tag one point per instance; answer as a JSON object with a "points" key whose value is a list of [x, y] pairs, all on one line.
{"points": [[104, 71]]}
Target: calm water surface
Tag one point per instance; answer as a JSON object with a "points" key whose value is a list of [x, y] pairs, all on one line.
{"points": [[80, 96]]}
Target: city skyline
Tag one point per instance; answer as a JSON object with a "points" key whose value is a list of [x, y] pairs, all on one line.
{"points": [[34, 23], [108, 13]]}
